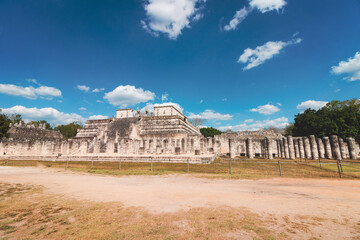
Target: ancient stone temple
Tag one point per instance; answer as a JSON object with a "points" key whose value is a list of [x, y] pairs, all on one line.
{"points": [[166, 136]]}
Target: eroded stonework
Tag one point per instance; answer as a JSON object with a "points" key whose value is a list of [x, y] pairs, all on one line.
{"points": [[165, 136]]}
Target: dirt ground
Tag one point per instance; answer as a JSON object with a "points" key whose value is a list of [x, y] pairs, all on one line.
{"points": [[334, 201]]}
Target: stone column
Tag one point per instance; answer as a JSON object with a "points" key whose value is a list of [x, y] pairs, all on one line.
{"points": [[342, 146], [301, 148], [328, 152], [110, 146], [282, 151], [278, 148], [352, 148], [269, 148], [249, 148], [335, 147], [314, 148], [231, 148], [291, 147], [96, 146], [296, 147], [286, 148], [321, 148], [307, 147]]}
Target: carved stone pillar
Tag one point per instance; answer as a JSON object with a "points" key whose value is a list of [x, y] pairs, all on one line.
{"points": [[314, 148], [335, 147], [249, 148], [328, 151], [291, 147], [321, 148], [352, 148]]}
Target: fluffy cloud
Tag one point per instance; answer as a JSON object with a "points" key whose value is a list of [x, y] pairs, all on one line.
{"points": [[211, 115], [267, 109], [238, 18], [257, 56], [96, 90], [350, 67], [97, 117], [170, 16], [150, 106], [83, 88], [30, 92], [262, 5], [49, 114], [267, 5], [311, 104], [125, 96], [256, 125], [82, 109]]}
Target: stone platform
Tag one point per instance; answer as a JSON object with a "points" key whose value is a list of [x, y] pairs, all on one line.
{"points": [[201, 159]]}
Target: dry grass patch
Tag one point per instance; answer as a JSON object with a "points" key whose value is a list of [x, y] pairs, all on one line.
{"points": [[241, 168]]}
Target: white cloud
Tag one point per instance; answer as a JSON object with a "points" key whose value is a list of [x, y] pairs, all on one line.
{"points": [[201, 101], [99, 101], [257, 56], [83, 88], [257, 125], [97, 117], [262, 5], [267, 5], [238, 18], [125, 96], [311, 104], [30, 92], [350, 67], [164, 97], [150, 106], [96, 90], [49, 114], [249, 120], [170, 16], [224, 99], [82, 109], [211, 115], [266, 109]]}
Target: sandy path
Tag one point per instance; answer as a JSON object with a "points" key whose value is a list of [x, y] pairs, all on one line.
{"points": [[325, 198]]}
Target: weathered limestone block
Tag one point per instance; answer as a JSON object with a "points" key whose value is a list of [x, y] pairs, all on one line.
{"points": [[282, 150], [307, 148], [286, 148], [321, 148], [328, 151], [278, 148], [352, 148], [291, 147], [314, 148], [301, 148], [343, 147], [335, 147], [231, 148], [269, 148], [296, 147], [249, 148]]}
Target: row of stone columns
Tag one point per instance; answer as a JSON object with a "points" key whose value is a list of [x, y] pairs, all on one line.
{"points": [[314, 148]]}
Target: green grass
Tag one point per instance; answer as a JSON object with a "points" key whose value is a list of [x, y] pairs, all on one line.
{"points": [[241, 168]]}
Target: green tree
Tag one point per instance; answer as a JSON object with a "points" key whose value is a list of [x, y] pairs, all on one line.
{"points": [[210, 132], [69, 130], [4, 125], [289, 130], [339, 118]]}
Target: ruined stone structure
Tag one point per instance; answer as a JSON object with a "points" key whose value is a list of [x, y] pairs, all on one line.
{"points": [[165, 136]]}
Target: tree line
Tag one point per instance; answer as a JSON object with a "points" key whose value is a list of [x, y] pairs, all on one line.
{"points": [[335, 118]]}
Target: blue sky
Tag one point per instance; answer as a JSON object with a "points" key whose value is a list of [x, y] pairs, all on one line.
{"points": [[240, 65]]}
